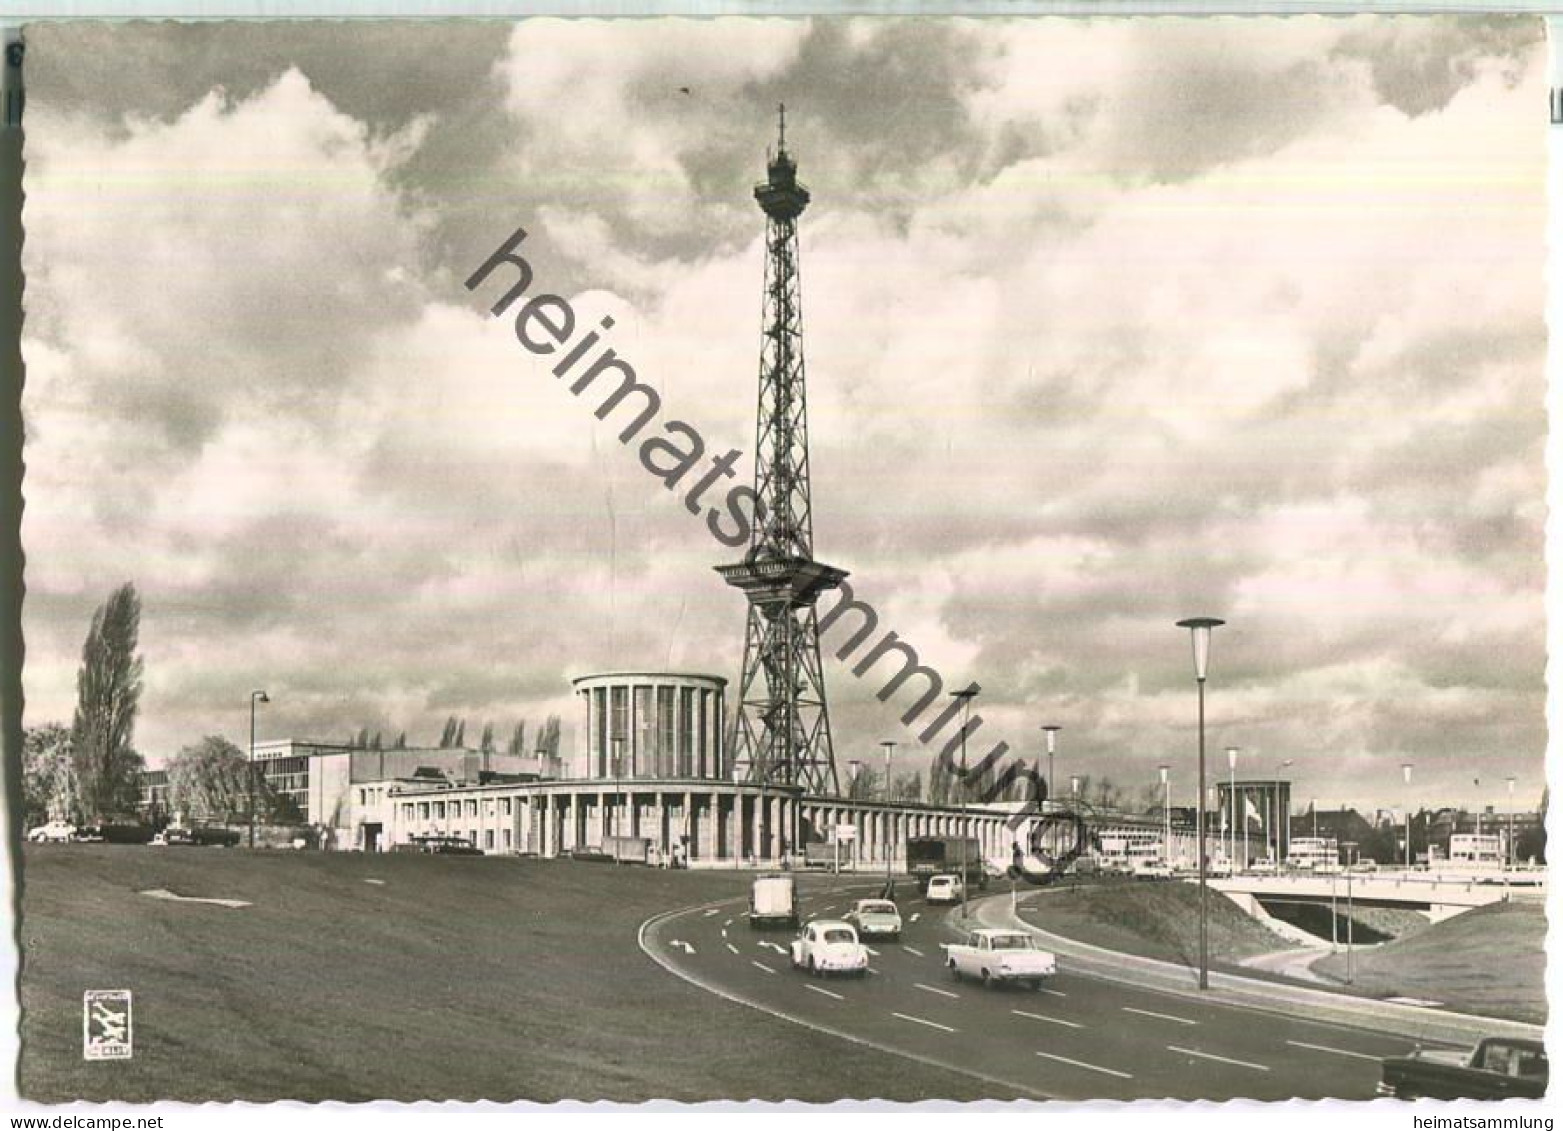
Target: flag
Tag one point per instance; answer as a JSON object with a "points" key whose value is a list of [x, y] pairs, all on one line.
{"points": [[1250, 814]]}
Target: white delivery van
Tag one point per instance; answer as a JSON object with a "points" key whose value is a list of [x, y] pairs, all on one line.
{"points": [[773, 901]]}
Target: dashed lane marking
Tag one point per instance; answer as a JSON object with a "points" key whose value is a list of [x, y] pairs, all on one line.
{"points": [[377, 883], [920, 1021], [935, 990], [1083, 1064], [1044, 1017], [1338, 1052], [762, 966], [1213, 1056], [874, 972], [713, 911], [773, 946], [826, 992], [911, 950], [916, 915], [160, 893], [732, 948], [872, 951], [1055, 993], [822, 910], [727, 922], [1163, 1016]]}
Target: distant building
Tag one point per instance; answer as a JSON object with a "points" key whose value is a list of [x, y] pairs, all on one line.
{"points": [[1253, 818], [1314, 853]]}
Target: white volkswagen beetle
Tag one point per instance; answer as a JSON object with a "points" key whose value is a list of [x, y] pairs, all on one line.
{"points": [[829, 946]]}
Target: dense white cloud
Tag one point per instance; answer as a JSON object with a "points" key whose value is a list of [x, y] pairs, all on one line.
{"points": [[1108, 323]]}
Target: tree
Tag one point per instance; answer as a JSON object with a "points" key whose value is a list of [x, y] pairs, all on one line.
{"points": [[461, 734], [211, 779], [909, 787], [548, 739], [108, 692], [518, 739], [448, 735], [486, 744], [864, 785], [401, 741], [48, 774], [374, 743]]}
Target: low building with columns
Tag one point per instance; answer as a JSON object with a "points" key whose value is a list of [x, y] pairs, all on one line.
{"points": [[650, 764]]}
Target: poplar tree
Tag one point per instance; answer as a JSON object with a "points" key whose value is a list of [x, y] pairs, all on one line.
{"points": [[108, 693]]}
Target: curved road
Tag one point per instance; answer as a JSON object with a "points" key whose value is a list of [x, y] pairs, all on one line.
{"points": [[1079, 1038]]}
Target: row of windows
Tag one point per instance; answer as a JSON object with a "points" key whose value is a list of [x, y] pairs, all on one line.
{"points": [[424, 810]]}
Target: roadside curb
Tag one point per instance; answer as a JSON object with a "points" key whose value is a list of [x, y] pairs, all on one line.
{"points": [[1415, 1022]]}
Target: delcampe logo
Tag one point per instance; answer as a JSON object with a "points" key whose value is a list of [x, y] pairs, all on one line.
{"points": [[105, 1025]]}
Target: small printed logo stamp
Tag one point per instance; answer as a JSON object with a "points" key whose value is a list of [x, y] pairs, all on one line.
{"points": [[105, 1025]]}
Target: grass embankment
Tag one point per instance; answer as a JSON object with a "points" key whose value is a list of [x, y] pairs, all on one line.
{"points": [[1154, 920], [1491, 961], [455, 978]]}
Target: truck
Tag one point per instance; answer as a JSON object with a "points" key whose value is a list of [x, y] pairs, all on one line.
{"points": [[1498, 1068], [820, 854], [930, 856], [995, 957], [627, 849], [773, 901]]}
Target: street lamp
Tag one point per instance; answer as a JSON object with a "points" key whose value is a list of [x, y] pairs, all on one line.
{"points": [[618, 775], [1051, 732], [1351, 858], [1405, 771], [889, 818], [255, 697], [1276, 810], [1508, 856], [1166, 815], [856, 767], [965, 696], [1232, 812], [1199, 628]]}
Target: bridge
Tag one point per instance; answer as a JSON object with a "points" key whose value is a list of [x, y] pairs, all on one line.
{"points": [[1438, 894]]}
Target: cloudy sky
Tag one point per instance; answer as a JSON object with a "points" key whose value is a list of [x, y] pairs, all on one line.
{"points": [[1108, 324]]}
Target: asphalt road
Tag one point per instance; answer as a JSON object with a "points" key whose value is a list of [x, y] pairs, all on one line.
{"points": [[1079, 1038]]}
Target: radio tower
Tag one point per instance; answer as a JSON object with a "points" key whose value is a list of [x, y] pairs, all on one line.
{"points": [[781, 731]]}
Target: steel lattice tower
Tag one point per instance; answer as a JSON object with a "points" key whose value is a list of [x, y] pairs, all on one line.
{"points": [[781, 730]]}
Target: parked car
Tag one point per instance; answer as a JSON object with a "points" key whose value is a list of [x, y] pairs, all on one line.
{"points": [[997, 956], [89, 834], [1152, 870], [54, 832], [439, 845], [829, 946], [1498, 1068], [773, 899], [944, 889], [875, 918]]}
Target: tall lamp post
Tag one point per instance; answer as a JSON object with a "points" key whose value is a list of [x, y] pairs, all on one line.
{"points": [[1199, 628], [857, 768], [1508, 855], [1351, 859], [1232, 811], [1276, 810], [255, 697], [1166, 814], [1405, 771], [965, 696], [1052, 733], [889, 817]]}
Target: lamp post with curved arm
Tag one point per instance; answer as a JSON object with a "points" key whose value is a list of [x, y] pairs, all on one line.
{"points": [[255, 697], [1199, 628]]}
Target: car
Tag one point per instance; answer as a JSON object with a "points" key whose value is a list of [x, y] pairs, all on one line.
{"points": [[944, 889], [996, 956], [1152, 870], [54, 832], [90, 834], [875, 918], [175, 835], [829, 946], [1497, 1068]]}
